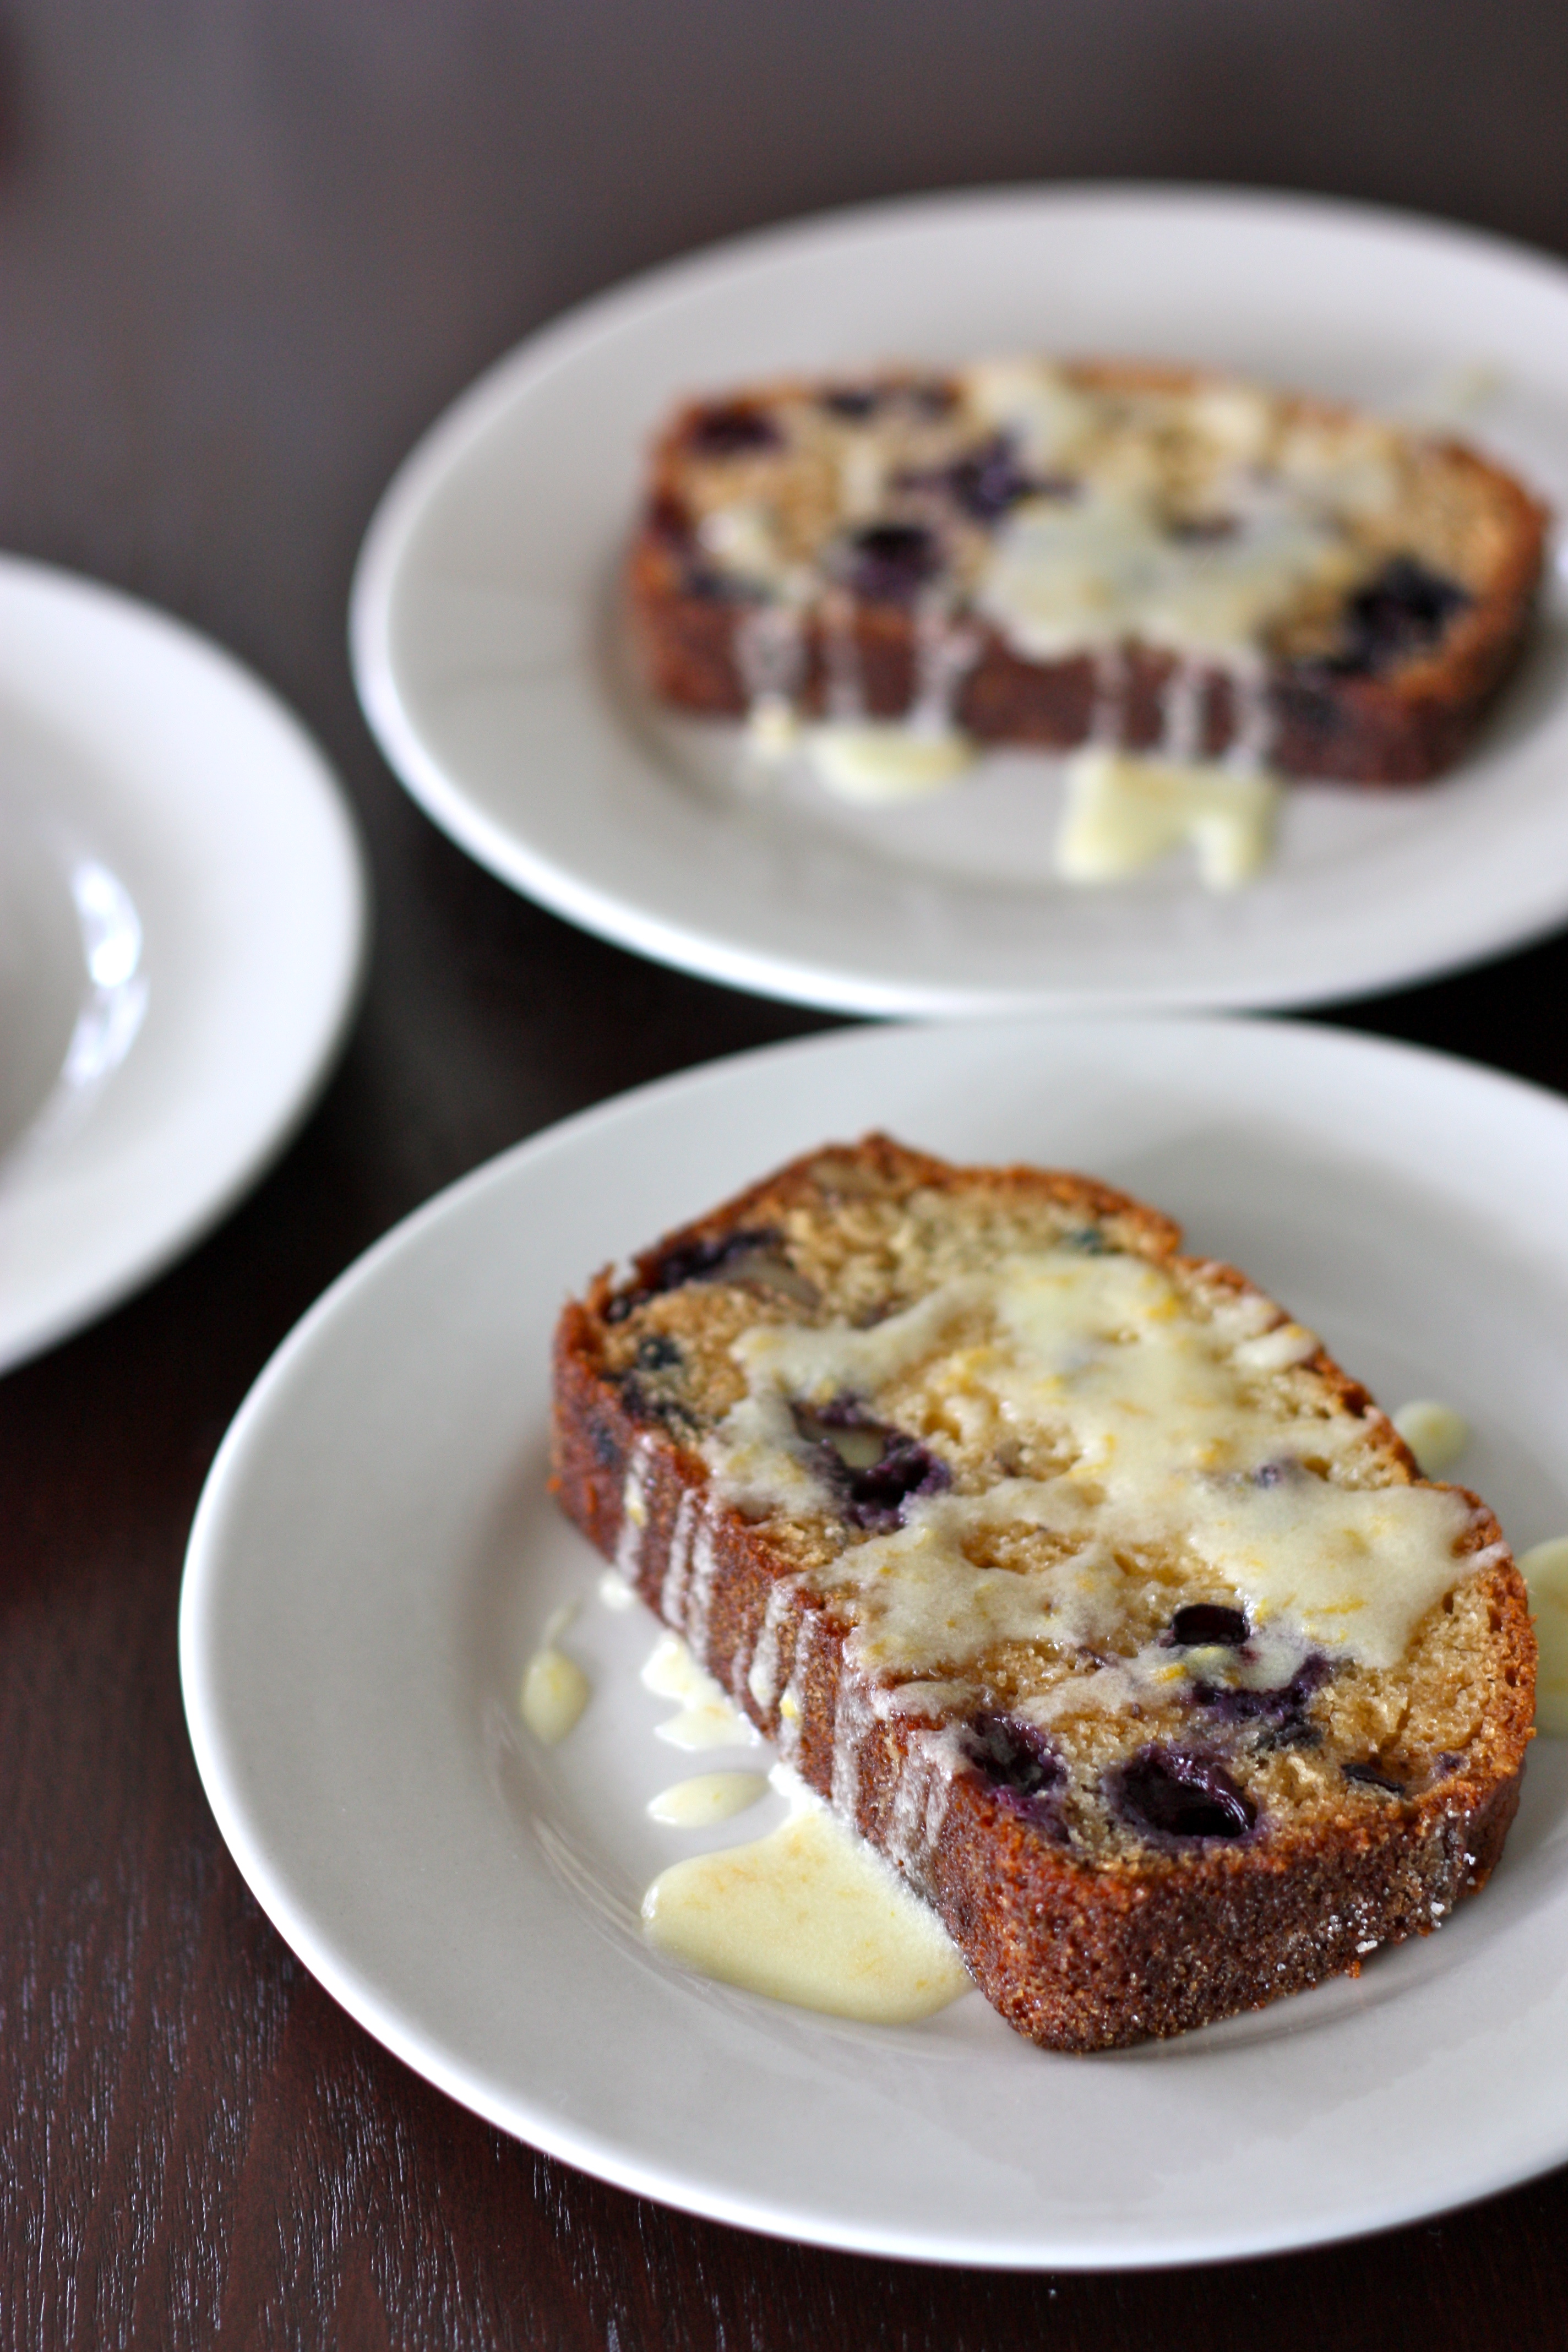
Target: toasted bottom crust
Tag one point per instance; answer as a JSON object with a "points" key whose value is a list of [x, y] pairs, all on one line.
{"points": [[1077, 1956], [1404, 727]]}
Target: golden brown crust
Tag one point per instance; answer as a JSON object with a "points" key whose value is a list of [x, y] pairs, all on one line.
{"points": [[1402, 727], [1076, 1956]]}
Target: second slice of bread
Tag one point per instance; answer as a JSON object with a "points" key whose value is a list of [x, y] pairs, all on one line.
{"points": [[1050, 553]]}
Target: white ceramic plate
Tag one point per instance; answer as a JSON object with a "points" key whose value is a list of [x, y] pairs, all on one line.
{"points": [[488, 659], [375, 1556], [182, 920]]}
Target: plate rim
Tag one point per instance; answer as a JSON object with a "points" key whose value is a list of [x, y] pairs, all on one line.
{"points": [[570, 891], [77, 1305], [593, 2148]]}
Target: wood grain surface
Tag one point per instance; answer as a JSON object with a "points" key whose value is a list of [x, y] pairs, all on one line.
{"points": [[248, 248]]}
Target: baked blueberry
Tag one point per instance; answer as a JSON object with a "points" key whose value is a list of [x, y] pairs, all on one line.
{"points": [[1279, 1714], [1205, 1622], [1020, 1764], [1401, 613], [876, 1470], [890, 562], [990, 480], [701, 1260], [732, 428], [1174, 1792], [852, 401]]}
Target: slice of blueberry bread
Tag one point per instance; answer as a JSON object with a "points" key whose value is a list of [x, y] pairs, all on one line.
{"points": [[1049, 553], [1069, 1569]]}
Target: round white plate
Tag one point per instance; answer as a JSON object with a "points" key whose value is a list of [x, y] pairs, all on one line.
{"points": [[488, 653], [375, 1556], [182, 922]]}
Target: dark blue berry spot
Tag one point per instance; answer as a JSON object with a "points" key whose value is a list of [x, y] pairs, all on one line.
{"points": [[1402, 612], [1020, 1764], [931, 397], [990, 480], [878, 1496], [732, 429], [606, 1445], [702, 1260], [876, 1470], [1373, 1777], [1203, 1623], [853, 402], [890, 562], [1279, 1714], [657, 1353], [1171, 1793]]}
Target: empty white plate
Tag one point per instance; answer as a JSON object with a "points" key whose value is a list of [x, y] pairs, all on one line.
{"points": [[376, 1556], [488, 655], [182, 921]]}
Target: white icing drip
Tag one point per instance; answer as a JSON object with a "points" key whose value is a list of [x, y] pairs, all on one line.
{"points": [[762, 1680], [1278, 1351], [909, 1808], [1181, 712], [843, 687], [705, 1717], [862, 477], [743, 539], [926, 1698], [554, 1692], [1123, 814], [672, 1592], [792, 1704], [707, 1798], [853, 1720], [634, 1512], [1107, 716], [888, 759], [945, 651], [920, 1803], [698, 1595], [1252, 715], [944, 1761], [1434, 1432], [770, 653], [808, 1915]]}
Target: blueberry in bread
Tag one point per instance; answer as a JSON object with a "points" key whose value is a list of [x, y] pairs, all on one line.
{"points": [[1041, 553], [1069, 1569]]}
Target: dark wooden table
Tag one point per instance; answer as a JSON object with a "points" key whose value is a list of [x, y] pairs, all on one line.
{"points": [[248, 248]]}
